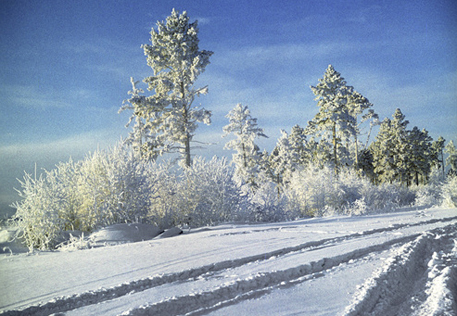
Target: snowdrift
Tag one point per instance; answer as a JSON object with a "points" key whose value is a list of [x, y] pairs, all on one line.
{"points": [[123, 233]]}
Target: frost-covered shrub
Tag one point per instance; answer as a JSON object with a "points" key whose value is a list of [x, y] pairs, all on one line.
{"points": [[267, 204], [208, 192], [202, 194], [115, 187], [428, 195], [37, 214], [318, 192], [315, 189], [165, 200], [104, 188], [449, 192]]}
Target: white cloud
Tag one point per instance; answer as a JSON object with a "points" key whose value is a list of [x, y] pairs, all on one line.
{"points": [[30, 96], [202, 20]]}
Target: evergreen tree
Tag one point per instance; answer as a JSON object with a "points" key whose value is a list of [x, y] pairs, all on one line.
{"points": [[366, 164], [246, 158], [283, 160], [298, 144], [437, 153], [419, 149], [320, 152], [166, 121], [333, 122], [389, 150], [451, 160], [357, 105]]}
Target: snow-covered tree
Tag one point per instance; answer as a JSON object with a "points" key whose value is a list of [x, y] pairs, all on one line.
{"points": [[166, 121], [357, 105], [389, 150], [246, 158], [283, 161], [298, 144], [438, 153], [320, 152], [333, 122], [419, 149], [451, 160]]}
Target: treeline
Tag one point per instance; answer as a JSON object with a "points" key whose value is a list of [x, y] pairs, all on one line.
{"points": [[114, 186], [321, 169]]}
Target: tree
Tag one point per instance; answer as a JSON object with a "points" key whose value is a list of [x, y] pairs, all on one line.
{"points": [[451, 160], [437, 152], [357, 104], [334, 121], [419, 149], [283, 161], [389, 149], [298, 144], [166, 121], [246, 158]]}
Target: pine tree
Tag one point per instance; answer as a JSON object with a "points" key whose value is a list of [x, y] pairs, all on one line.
{"points": [[419, 149], [357, 105], [320, 152], [246, 158], [334, 121], [298, 144], [437, 153], [283, 161], [451, 160], [166, 121], [390, 156]]}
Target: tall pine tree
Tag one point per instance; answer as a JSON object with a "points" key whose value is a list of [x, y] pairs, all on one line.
{"points": [[166, 121], [334, 122]]}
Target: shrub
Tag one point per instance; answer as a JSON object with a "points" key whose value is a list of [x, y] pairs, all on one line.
{"points": [[208, 192], [103, 189], [449, 192]]}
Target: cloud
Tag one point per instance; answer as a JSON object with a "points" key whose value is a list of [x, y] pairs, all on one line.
{"points": [[255, 56], [202, 20], [29, 96]]}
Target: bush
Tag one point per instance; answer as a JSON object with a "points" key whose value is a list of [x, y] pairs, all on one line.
{"points": [[114, 186], [209, 194], [449, 192], [267, 204], [103, 189], [318, 192]]}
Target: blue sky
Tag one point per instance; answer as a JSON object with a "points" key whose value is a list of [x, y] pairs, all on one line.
{"points": [[66, 67]]}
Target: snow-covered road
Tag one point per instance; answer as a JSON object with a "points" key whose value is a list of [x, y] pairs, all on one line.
{"points": [[401, 263]]}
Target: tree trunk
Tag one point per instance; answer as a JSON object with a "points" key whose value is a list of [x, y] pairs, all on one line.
{"points": [[442, 162], [187, 149], [187, 136]]}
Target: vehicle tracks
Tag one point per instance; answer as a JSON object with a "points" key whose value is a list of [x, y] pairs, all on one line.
{"points": [[239, 289]]}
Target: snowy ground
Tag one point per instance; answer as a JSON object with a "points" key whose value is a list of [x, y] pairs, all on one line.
{"points": [[402, 263]]}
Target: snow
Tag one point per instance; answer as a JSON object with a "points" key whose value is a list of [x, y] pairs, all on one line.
{"points": [[387, 264]]}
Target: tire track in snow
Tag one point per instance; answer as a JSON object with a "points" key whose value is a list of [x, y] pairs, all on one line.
{"points": [[63, 304], [256, 285], [396, 289]]}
